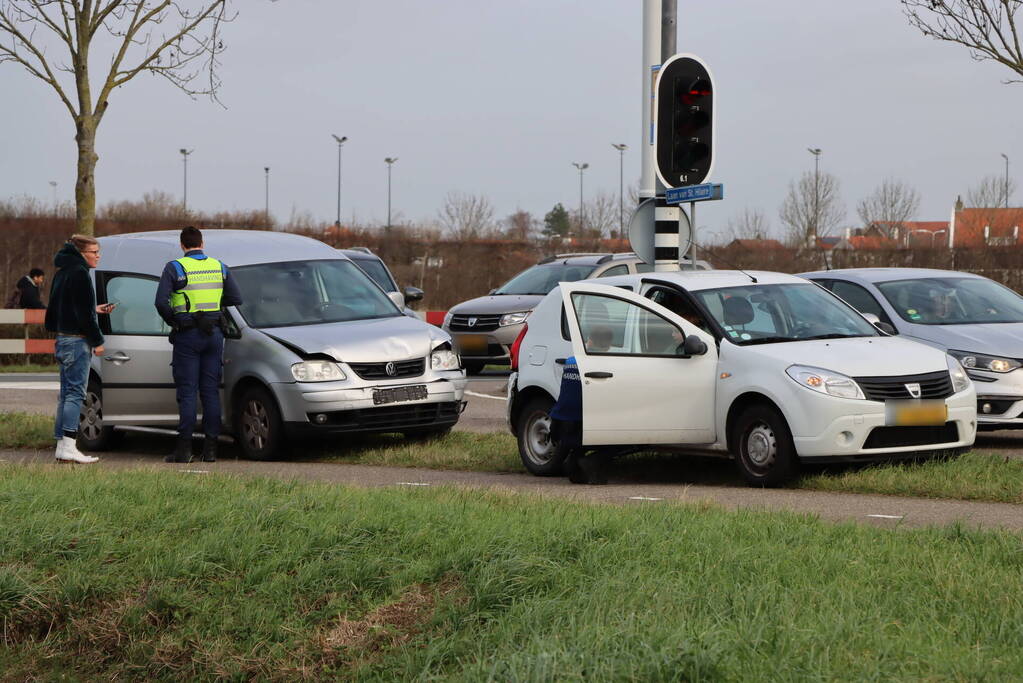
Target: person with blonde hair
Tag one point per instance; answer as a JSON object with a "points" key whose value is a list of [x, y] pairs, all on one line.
{"points": [[72, 315]]}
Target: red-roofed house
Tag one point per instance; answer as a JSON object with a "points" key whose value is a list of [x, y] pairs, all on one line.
{"points": [[978, 227], [755, 245]]}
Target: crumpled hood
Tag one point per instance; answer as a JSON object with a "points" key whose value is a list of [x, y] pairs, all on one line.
{"points": [[857, 357], [365, 341], [498, 303], [997, 339], [69, 256]]}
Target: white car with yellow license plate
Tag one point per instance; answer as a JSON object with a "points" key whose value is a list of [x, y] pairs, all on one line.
{"points": [[778, 372]]}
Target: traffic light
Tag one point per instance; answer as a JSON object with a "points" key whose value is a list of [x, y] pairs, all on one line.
{"points": [[684, 121]]}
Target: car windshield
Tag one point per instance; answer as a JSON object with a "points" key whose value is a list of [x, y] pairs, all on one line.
{"points": [[953, 301], [768, 314], [543, 278], [376, 270], [309, 293]]}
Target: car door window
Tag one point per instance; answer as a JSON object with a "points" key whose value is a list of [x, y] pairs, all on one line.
{"points": [[859, 298], [621, 269], [617, 327], [135, 313]]}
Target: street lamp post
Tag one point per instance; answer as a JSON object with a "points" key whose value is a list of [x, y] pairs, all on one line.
{"points": [[53, 186], [582, 167], [266, 210], [816, 152], [621, 147], [184, 160], [340, 142], [1004, 156], [390, 162]]}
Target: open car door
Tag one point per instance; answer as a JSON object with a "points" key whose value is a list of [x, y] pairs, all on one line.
{"points": [[639, 384]]}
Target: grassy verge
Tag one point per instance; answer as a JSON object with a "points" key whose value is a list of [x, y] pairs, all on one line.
{"points": [[29, 367], [980, 476], [167, 576]]}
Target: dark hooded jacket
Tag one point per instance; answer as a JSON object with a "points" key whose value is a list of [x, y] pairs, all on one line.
{"points": [[29, 294], [72, 299]]}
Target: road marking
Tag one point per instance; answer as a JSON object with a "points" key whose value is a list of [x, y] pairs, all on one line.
{"points": [[46, 386], [412, 483], [468, 393], [196, 471], [643, 498], [887, 516]]}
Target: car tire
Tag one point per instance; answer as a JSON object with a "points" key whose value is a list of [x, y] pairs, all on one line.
{"points": [[539, 455], [259, 430], [427, 433], [473, 367], [93, 435], [762, 447]]}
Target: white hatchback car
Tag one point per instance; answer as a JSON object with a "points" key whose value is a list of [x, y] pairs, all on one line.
{"points": [[767, 367]]}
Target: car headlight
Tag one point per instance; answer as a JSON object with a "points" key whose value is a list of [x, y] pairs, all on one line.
{"points": [[981, 361], [444, 359], [447, 320], [960, 382], [317, 371], [514, 318], [825, 381]]}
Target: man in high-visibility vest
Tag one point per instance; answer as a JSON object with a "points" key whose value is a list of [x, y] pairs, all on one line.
{"points": [[192, 291]]}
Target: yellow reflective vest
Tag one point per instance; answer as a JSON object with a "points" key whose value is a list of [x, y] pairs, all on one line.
{"points": [[204, 286]]}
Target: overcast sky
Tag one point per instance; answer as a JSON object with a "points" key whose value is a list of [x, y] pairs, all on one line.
{"points": [[499, 98]]}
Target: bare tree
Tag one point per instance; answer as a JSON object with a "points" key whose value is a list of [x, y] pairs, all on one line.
{"points": [[750, 224], [601, 215], [160, 37], [467, 216], [889, 207], [991, 192], [812, 208], [987, 28], [519, 225]]}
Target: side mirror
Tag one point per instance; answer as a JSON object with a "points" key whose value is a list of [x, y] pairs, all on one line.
{"points": [[871, 318], [398, 298], [886, 328], [231, 329], [491, 292], [412, 294], [694, 346]]}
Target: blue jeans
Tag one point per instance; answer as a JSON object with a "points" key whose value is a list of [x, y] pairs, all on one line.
{"points": [[73, 354], [198, 362]]}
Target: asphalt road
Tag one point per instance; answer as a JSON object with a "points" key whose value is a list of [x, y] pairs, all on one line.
{"points": [[687, 479]]}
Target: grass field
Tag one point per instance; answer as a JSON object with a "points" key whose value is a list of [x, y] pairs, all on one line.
{"points": [[980, 476], [170, 576], [28, 367]]}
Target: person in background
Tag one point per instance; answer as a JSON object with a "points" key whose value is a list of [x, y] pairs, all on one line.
{"points": [[192, 291], [30, 287], [72, 315]]}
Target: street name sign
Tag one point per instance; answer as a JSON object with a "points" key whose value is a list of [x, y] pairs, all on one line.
{"points": [[694, 193]]}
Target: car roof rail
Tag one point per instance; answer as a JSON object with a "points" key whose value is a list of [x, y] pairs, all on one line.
{"points": [[364, 250], [558, 257], [617, 255]]}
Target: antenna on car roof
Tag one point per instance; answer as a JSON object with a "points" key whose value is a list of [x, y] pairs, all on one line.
{"points": [[726, 261]]}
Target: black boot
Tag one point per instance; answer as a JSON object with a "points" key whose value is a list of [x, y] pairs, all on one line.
{"points": [[209, 449], [182, 451]]}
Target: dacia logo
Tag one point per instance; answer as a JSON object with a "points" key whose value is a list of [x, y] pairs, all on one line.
{"points": [[391, 370], [472, 322], [914, 390]]}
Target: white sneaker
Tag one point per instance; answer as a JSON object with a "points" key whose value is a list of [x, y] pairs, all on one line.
{"points": [[60, 449], [68, 452]]}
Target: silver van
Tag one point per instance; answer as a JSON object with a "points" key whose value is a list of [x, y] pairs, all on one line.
{"points": [[317, 348]]}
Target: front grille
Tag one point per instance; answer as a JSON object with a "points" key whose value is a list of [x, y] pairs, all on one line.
{"points": [[402, 368], [932, 385], [483, 323], [894, 437], [392, 417]]}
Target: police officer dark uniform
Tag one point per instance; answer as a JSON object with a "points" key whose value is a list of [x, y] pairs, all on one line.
{"points": [[192, 291], [567, 429]]}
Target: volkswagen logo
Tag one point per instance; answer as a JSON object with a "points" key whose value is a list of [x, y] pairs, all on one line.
{"points": [[472, 322], [392, 371], [913, 389]]}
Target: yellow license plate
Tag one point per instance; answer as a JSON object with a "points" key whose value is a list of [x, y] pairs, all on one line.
{"points": [[471, 344], [915, 413]]}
